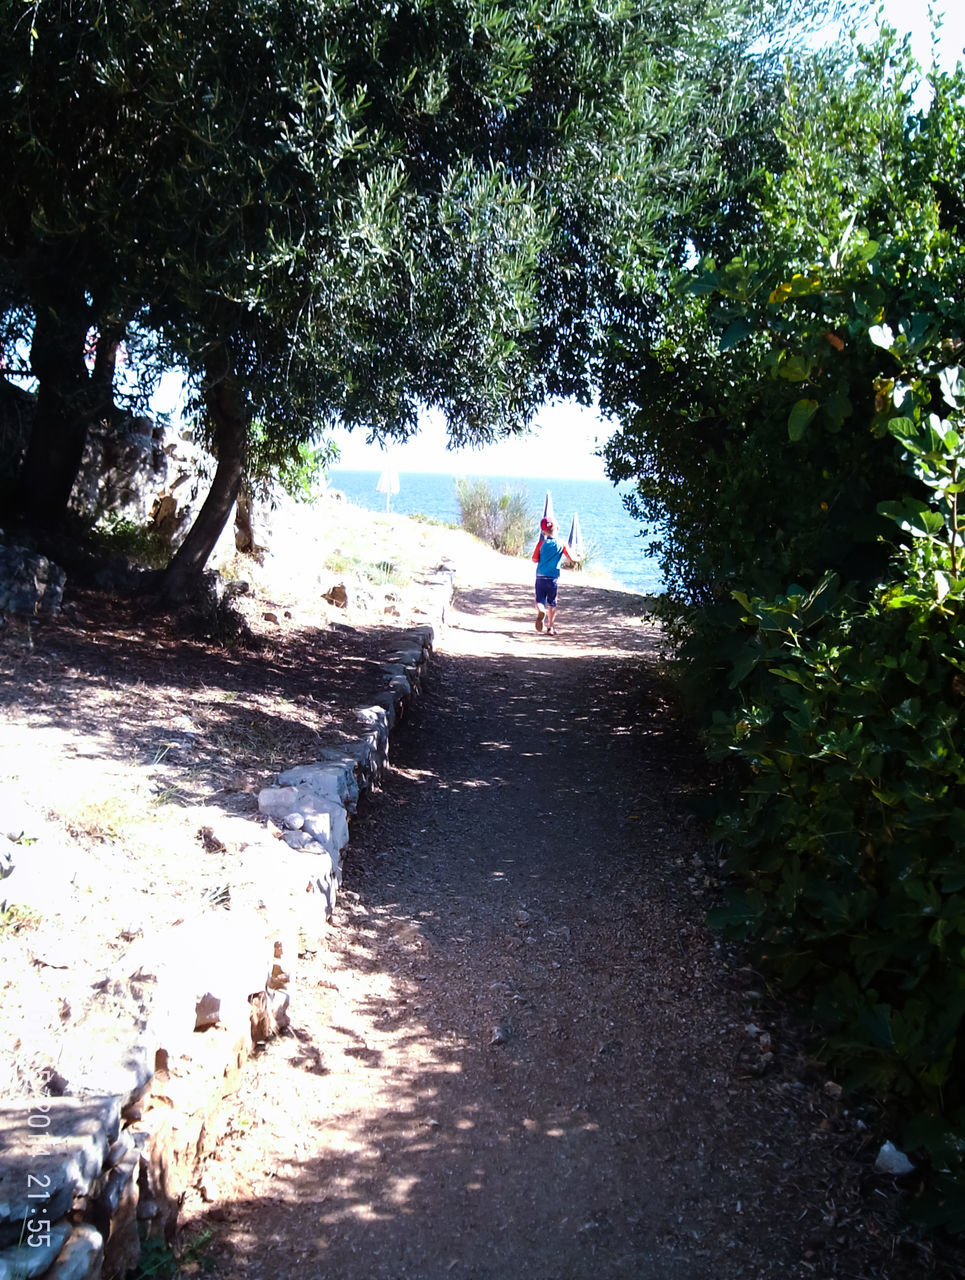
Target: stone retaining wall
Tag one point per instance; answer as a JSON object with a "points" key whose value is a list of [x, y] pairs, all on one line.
{"points": [[82, 1177]]}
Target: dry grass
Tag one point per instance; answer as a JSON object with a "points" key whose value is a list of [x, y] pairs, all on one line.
{"points": [[127, 740]]}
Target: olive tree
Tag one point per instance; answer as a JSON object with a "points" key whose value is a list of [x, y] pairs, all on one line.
{"points": [[342, 212]]}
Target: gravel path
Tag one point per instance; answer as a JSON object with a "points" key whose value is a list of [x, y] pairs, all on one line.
{"points": [[519, 1053]]}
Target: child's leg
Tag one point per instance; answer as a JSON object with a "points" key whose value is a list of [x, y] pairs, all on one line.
{"points": [[551, 609]]}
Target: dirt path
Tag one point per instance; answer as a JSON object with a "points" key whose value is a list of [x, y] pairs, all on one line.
{"points": [[520, 1053]]}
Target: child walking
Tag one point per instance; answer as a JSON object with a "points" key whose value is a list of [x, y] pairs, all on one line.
{"points": [[547, 555]]}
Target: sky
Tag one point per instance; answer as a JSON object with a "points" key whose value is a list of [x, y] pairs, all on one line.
{"points": [[912, 15], [562, 444]]}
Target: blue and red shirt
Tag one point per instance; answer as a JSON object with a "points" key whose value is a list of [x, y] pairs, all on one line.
{"points": [[547, 555]]}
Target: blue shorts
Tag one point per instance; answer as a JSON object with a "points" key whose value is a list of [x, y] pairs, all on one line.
{"points": [[546, 591]]}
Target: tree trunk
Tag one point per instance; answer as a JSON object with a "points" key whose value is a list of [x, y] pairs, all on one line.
{"points": [[229, 419], [62, 414], [102, 375]]}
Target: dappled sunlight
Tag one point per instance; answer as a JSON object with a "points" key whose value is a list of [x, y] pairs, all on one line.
{"points": [[128, 687], [515, 1015], [592, 622], [487, 1097]]}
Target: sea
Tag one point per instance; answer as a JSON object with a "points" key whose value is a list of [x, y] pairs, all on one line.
{"points": [[615, 543]]}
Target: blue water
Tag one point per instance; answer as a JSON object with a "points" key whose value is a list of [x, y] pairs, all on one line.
{"points": [[613, 540]]}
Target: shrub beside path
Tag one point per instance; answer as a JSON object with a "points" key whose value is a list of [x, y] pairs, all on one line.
{"points": [[519, 1051]]}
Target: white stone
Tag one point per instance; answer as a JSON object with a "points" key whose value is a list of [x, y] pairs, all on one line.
{"points": [[108, 1056], [321, 814], [300, 839], [891, 1160], [333, 781], [277, 802], [217, 957], [378, 715], [325, 881]]}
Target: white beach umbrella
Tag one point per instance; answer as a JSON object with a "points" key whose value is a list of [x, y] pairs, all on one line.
{"points": [[575, 540], [388, 484]]}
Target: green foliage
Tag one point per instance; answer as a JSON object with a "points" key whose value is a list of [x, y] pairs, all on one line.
{"points": [[387, 573], [384, 573], [138, 543], [15, 919], [158, 1262], [589, 554], [501, 519], [301, 468], [847, 840], [797, 434], [351, 211]]}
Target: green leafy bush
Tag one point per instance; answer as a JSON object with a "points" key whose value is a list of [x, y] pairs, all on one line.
{"points": [[141, 544], [848, 839], [798, 431], [501, 519]]}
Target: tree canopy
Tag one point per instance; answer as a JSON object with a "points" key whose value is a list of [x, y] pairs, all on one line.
{"points": [[342, 211]]}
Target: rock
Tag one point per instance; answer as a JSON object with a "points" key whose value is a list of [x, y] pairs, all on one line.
{"points": [[298, 839], [892, 1161], [337, 595], [384, 703], [277, 802], [82, 1256], [115, 1208], [319, 827], [201, 973], [29, 583], [24, 1261], [279, 1002], [207, 1011], [329, 825], [325, 881], [262, 1024], [333, 780], [110, 1049], [63, 1157], [374, 748], [119, 1150], [324, 820]]}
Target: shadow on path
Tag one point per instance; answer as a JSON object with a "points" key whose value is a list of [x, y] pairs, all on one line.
{"points": [[535, 1058]]}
